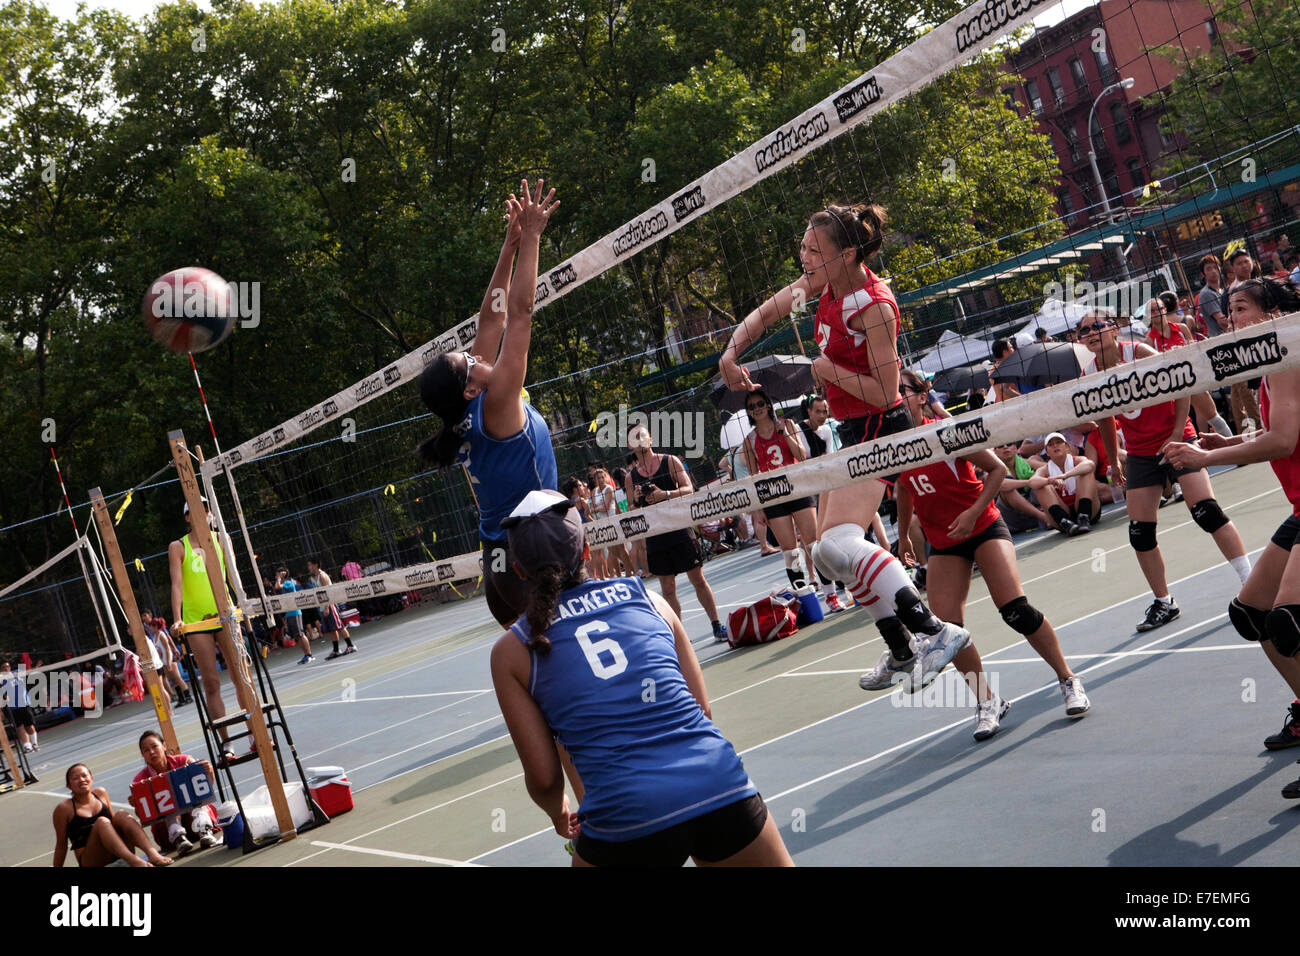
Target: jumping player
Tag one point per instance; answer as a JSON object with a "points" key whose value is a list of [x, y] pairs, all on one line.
{"points": [[774, 444], [501, 440], [1146, 432], [1267, 609], [857, 327], [964, 527], [662, 784]]}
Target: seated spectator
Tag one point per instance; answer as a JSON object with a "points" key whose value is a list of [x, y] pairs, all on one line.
{"points": [[173, 831], [1041, 335], [98, 834], [1018, 506], [1067, 488]]}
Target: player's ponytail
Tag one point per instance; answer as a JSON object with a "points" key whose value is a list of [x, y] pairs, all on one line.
{"points": [[860, 227], [442, 389], [547, 585]]}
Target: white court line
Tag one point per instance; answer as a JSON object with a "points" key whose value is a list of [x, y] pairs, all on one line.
{"points": [[382, 730], [432, 740], [1243, 646], [418, 813], [478, 691], [391, 853], [966, 720]]}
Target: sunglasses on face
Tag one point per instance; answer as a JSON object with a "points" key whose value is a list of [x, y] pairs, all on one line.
{"points": [[470, 362], [905, 387], [1095, 327], [754, 406]]}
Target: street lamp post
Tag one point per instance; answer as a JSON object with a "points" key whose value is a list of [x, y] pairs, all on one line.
{"points": [[1124, 84]]}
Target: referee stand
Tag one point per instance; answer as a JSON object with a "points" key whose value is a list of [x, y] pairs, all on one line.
{"points": [[260, 716]]}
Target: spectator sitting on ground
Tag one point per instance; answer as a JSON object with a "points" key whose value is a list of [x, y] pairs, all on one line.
{"points": [[1067, 488], [1018, 505]]}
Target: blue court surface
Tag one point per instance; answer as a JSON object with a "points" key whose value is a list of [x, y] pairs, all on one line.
{"points": [[1169, 767]]}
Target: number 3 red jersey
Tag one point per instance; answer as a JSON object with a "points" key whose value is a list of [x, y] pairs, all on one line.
{"points": [[848, 348], [772, 453], [941, 492]]}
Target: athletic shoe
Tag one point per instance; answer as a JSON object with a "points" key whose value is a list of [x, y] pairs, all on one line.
{"points": [[208, 840], [27, 748], [889, 672], [350, 649], [1067, 527], [1292, 790], [987, 716], [719, 631], [1076, 701], [1084, 524], [333, 654], [1177, 496], [1158, 615], [306, 659], [937, 651], [834, 604], [183, 847], [1289, 735], [920, 578]]}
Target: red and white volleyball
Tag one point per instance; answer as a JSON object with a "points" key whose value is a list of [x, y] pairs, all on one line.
{"points": [[190, 309]]}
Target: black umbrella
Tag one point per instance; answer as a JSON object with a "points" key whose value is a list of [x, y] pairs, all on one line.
{"points": [[783, 377], [1043, 363], [961, 379]]}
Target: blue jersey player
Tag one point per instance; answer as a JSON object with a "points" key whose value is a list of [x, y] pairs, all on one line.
{"points": [[605, 668], [501, 440]]}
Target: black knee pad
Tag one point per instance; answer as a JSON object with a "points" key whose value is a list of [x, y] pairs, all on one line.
{"points": [[1249, 621], [1142, 535], [1021, 616], [914, 614], [1208, 515], [1283, 628]]}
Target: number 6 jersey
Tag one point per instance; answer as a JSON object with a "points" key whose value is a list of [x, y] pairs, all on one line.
{"points": [[612, 691]]}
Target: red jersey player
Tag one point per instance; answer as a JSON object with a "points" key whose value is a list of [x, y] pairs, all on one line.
{"points": [[1146, 432], [857, 329], [963, 526], [1268, 606]]}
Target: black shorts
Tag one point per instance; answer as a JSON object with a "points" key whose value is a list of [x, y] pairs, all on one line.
{"points": [[22, 716], [787, 508], [670, 554], [310, 615], [997, 531], [891, 421], [293, 626], [1146, 471], [1288, 533], [711, 838]]}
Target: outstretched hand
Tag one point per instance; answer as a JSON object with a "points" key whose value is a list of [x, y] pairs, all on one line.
{"points": [[735, 376], [535, 211], [514, 229]]}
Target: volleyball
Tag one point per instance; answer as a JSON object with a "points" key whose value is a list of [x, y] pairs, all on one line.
{"points": [[190, 309]]}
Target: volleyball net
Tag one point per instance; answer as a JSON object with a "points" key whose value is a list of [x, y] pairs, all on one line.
{"points": [[964, 137]]}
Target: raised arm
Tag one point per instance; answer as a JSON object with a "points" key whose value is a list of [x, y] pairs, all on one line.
{"points": [[755, 324], [492, 313], [503, 404]]}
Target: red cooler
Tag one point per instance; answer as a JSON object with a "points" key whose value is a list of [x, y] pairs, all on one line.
{"points": [[331, 789]]}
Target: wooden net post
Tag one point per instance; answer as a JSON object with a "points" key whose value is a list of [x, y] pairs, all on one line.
{"points": [[230, 640], [143, 647]]}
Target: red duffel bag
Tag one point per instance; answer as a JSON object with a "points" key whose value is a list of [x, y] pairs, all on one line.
{"points": [[767, 620]]}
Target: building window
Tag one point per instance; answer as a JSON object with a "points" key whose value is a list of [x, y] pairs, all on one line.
{"points": [[1080, 78], [1035, 100], [1072, 142], [1112, 186], [1212, 29], [1135, 173], [1120, 122], [1098, 141], [1067, 204], [1058, 90], [1166, 138], [1013, 104]]}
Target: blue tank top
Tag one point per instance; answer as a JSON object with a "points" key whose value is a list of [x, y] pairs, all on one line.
{"points": [[613, 693], [504, 470]]}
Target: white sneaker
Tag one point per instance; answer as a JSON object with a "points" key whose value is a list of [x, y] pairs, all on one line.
{"points": [[208, 840], [988, 715], [937, 651], [27, 748], [1076, 701], [889, 672], [183, 847]]}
